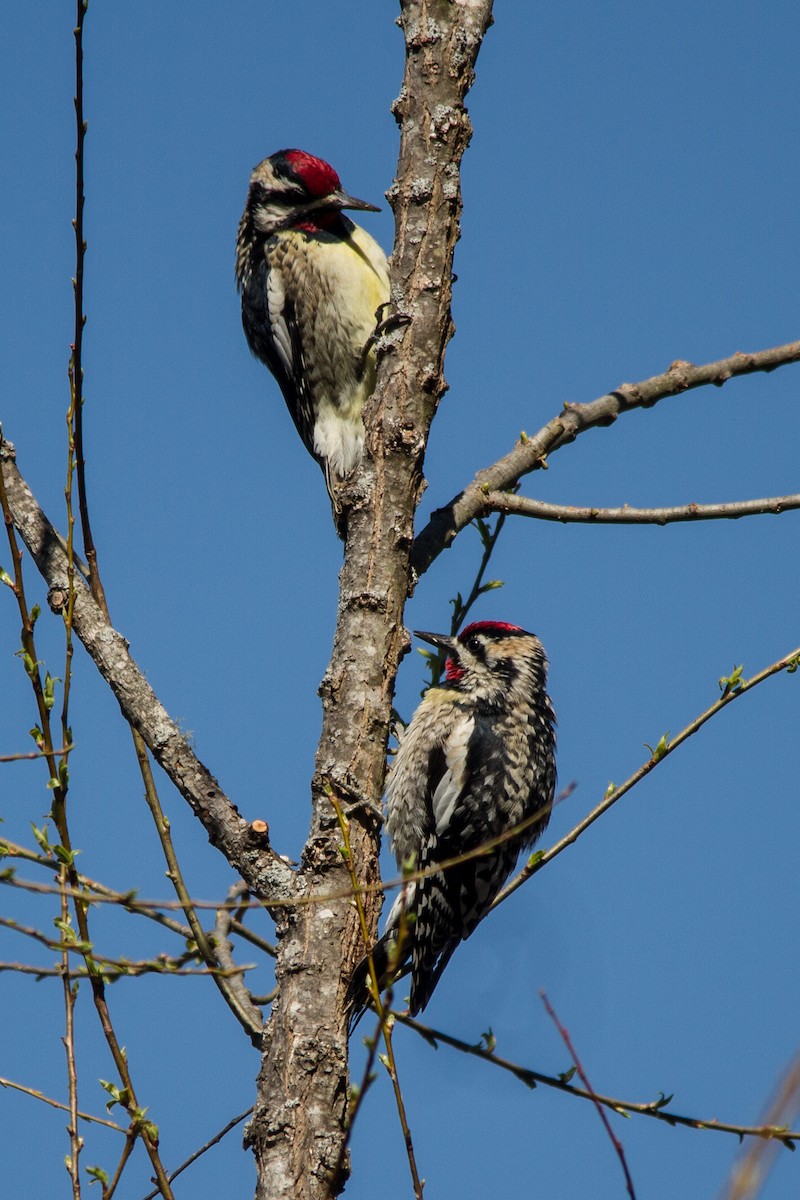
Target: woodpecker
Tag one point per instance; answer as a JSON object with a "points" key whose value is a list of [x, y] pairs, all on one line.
{"points": [[475, 765], [312, 284]]}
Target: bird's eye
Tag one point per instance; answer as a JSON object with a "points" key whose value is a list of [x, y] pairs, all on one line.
{"points": [[474, 644]]}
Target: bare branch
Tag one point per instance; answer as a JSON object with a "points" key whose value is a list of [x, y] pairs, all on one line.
{"points": [[530, 453], [540, 859], [615, 1142], [524, 506], [752, 1169], [198, 1153], [653, 1108], [222, 951], [82, 1116], [263, 871], [33, 754]]}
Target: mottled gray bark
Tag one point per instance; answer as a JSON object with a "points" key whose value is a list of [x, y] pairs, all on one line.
{"points": [[298, 1125]]}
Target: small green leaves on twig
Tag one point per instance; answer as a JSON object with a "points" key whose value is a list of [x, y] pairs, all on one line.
{"points": [[731, 683], [118, 1095], [42, 838], [49, 689], [488, 1041], [662, 748]]}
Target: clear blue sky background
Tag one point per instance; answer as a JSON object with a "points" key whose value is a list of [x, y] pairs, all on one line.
{"points": [[631, 198]]}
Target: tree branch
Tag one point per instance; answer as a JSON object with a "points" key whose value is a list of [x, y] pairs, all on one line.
{"points": [[732, 689], [263, 871], [652, 1108], [524, 506], [529, 453]]}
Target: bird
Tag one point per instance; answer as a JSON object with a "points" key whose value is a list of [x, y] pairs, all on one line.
{"points": [[474, 768], [313, 286]]}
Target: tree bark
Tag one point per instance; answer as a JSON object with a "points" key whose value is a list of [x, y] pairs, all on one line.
{"points": [[299, 1122]]}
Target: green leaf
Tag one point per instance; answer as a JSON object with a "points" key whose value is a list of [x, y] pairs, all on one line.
{"points": [[489, 1040], [151, 1129], [113, 1091], [661, 748], [97, 1175], [41, 838], [30, 664], [731, 683], [49, 690], [6, 578]]}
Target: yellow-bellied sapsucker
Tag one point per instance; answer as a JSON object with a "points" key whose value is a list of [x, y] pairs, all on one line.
{"points": [[312, 285], [475, 767]]}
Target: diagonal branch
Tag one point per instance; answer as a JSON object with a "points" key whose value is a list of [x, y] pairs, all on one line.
{"points": [[529, 453], [263, 871], [650, 1108], [733, 689]]}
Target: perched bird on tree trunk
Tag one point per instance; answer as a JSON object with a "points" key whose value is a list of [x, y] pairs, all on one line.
{"points": [[474, 769], [313, 285]]}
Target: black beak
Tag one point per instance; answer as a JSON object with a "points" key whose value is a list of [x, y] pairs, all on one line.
{"points": [[440, 640], [343, 199], [333, 202]]}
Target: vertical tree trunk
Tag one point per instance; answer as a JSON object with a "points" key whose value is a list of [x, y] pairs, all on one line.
{"points": [[298, 1126]]}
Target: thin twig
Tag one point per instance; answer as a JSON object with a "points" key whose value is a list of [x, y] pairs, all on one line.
{"points": [[124, 970], [236, 991], [263, 870], [750, 1172], [211, 1142], [524, 506], [540, 859], [653, 1108], [70, 994], [615, 1142], [384, 1019], [461, 608], [82, 1116], [33, 754], [230, 985]]}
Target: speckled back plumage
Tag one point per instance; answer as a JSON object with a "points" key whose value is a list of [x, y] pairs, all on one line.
{"points": [[476, 763]]}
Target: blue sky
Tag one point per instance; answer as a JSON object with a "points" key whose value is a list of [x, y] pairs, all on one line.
{"points": [[630, 199]]}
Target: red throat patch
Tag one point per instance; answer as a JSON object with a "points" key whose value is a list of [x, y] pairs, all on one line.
{"points": [[452, 671]]}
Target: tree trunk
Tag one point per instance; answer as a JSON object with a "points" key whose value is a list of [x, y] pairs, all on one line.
{"points": [[298, 1127]]}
